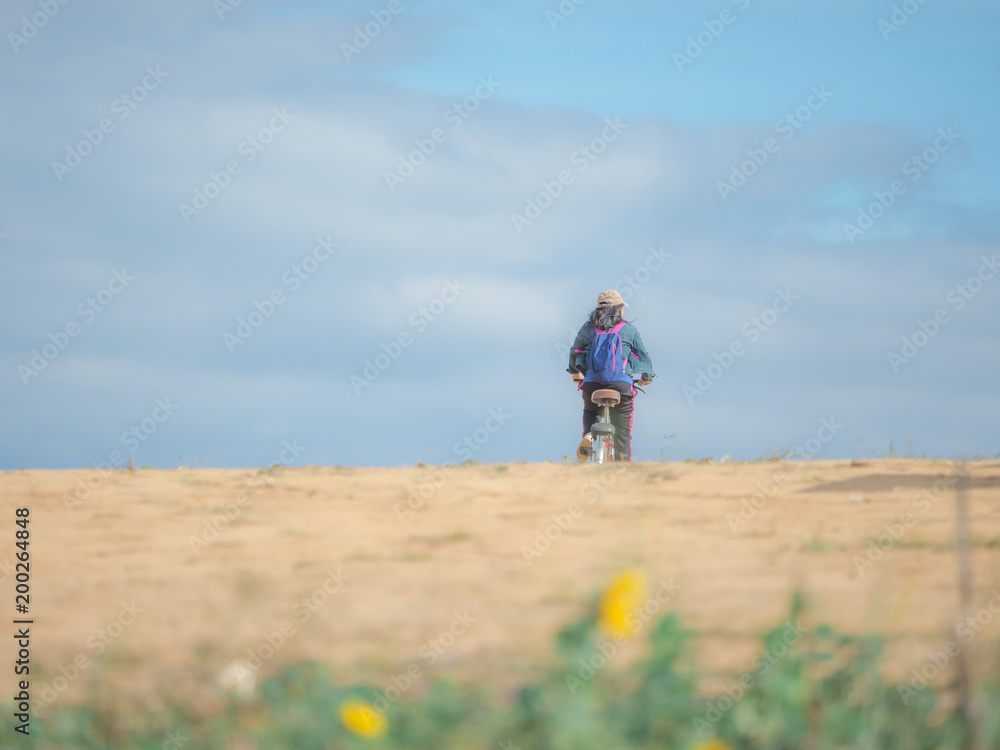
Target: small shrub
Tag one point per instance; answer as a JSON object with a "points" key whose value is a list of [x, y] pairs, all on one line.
{"points": [[806, 689]]}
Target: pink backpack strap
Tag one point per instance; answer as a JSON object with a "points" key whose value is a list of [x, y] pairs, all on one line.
{"points": [[617, 328]]}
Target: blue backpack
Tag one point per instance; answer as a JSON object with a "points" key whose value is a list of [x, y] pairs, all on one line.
{"points": [[606, 359]]}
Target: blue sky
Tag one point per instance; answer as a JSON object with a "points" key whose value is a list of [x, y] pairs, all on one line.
{"points": [[433, 256]]}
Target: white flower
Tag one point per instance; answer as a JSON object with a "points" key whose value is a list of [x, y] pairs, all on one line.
{"points": [[237, 678]]}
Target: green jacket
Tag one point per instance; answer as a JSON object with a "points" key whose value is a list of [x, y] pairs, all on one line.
{"points": [[636, 357]]}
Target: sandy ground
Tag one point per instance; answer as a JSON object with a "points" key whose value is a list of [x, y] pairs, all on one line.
{"points": [[133, 572]]}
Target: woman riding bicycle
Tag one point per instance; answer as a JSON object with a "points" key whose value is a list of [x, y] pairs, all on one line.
{"points": [[607, 318]]}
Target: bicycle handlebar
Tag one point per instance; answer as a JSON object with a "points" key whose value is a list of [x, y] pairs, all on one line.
{"points": [[636, 377]]}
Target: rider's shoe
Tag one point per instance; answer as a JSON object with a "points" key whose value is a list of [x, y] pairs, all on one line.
{"points": [[583, 450]]}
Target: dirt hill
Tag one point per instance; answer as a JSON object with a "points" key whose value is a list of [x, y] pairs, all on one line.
{"points": [[172, 575]]}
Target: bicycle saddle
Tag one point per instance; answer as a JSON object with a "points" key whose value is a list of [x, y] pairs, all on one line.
{"points": [[608, 395]]}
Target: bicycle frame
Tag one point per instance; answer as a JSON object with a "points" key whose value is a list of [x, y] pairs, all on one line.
{"points": [[603, 438], [604, 445]]}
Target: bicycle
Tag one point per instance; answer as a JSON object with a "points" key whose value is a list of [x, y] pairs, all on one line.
{"points": [[602, 434]]}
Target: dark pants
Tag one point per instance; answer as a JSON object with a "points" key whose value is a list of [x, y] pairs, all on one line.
{"points": [[621, 415]]}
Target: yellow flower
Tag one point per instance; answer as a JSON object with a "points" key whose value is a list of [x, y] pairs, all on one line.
{"points": [[619, 601], [712, 745], [363, 719]]}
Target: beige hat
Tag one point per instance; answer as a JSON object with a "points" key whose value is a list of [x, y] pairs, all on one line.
{"points": [[610, 297]]}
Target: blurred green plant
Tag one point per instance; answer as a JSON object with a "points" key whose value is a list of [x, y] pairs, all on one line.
{"points": [[807, 690]]}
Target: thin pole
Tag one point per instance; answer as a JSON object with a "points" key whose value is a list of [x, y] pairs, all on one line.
{"points": [[963, 547]]}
